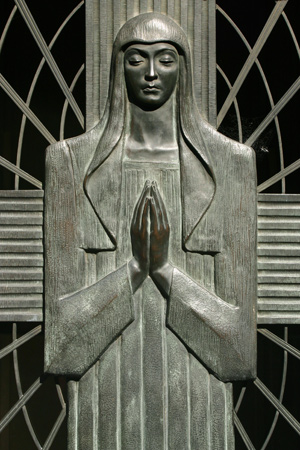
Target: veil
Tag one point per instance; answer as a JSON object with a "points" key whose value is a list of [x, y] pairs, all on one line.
{"points": [[197, 175]]}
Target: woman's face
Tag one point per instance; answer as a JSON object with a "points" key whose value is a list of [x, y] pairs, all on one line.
{"points": [[151, 73]]}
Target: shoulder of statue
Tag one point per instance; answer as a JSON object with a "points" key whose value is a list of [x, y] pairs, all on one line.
{"points": [[229, 146], [89, 138]]}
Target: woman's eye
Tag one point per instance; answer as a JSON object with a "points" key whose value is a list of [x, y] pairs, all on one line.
{"points": [[135, 62], [166, 61]]}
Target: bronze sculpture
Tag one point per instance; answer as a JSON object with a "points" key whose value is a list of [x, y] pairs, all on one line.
{"points": [[150, 258]]}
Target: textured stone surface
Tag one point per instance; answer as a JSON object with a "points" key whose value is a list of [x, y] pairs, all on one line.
{"points": [[278, 258], [21, 255], [150, 234]]}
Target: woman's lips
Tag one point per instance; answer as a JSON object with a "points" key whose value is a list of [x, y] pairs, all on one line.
{"points": [[151, 89]]}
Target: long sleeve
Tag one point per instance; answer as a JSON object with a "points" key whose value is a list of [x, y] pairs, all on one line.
{"points": [[220, 326], [80, 320], [213, 329], [89, 320]]}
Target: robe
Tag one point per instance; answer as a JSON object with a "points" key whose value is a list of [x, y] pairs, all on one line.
{"points": [[153, 372]]}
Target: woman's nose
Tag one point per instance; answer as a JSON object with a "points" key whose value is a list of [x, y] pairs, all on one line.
{"points": [[151, 72]]}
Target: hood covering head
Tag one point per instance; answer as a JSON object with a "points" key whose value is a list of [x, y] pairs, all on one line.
{"points": [[196, 172]]}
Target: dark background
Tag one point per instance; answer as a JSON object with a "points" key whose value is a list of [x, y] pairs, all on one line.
{"points": [[19, 60]]}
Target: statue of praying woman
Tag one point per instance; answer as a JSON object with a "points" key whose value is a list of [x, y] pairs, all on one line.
{"points": [[150, 234]]}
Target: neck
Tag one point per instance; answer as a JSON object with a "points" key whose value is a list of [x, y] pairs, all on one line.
{"points": [[152, 135]]}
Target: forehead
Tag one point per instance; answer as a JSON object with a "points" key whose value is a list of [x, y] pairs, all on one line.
{"points": [[150, 49]]}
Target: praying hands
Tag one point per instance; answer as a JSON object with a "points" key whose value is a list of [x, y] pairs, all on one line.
{"points": [[150, 233]]}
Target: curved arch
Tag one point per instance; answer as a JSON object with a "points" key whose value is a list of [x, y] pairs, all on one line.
{"points": [[7, 25], [61, 416], [20, 391], [277, 125], [33, 84], [236, 106], [291, 32], [66, 104], [282, 389]]}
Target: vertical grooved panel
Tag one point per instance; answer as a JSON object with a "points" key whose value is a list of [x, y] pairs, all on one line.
{"points": [[92, 62], [221, 415], [166, 408], [204, 59], [157, 6], [118, 394], [73, 415], [143, 6], [117, 5], [123, 12], [171, 8], [211, 64], [131, 382], [150, 6], [132, 6], [88, 411], [153, 370], [177, 9], [196, 51], [163, 6], [184, 17], [190, 24], [200, 406], [103, 50], [108, 399], [178, 374]]}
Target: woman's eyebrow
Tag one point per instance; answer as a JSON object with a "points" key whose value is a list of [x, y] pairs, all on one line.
{"points": [[144, 53], [167, 51], [133, 51]]}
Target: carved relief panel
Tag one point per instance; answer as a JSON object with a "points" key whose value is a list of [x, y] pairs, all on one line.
{"points": [[150, 258]]}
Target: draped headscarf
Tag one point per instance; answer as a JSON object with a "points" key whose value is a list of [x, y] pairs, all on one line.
{"points": [[197, 176]]}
